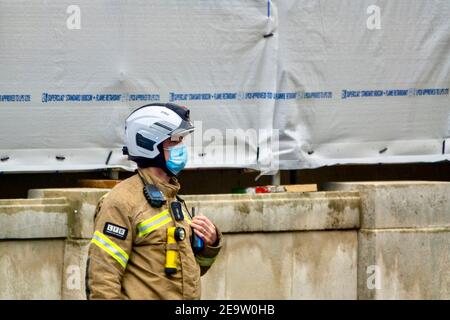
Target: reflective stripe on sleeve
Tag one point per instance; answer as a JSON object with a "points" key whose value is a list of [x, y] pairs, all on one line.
{"points": [[154, 223], [104, 243]]}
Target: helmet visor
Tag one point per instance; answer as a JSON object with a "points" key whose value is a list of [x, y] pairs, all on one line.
{"points": [[183, 130]]}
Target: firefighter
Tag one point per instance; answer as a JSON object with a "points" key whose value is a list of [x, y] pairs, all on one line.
{"points": [[146, 243]]}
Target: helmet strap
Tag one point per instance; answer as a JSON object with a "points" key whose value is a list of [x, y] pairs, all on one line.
{"points": [[159, 161]]}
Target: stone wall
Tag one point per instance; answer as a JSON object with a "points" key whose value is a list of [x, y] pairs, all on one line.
{"points": [[352, 241], [404, 239]]}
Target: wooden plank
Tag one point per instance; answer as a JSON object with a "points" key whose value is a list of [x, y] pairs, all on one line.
{"points": [[96, 183], [300, 187]]}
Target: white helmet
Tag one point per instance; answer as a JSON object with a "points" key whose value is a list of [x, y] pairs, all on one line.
{"points": [[148, 126]]}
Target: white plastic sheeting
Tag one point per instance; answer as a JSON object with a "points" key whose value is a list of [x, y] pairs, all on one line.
{"points": [[336, 81]]}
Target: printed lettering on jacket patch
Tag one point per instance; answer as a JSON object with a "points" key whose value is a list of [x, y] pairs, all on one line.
{"points": [[115, 231]]}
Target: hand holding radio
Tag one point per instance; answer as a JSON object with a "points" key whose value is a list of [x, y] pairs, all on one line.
{"points": [[205, 229]]}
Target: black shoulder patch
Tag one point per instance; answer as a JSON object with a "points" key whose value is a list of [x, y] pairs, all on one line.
{"points": [[115, 231]]}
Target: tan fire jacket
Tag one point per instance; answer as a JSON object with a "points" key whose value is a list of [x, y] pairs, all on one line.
{"points": [[128, 249]]}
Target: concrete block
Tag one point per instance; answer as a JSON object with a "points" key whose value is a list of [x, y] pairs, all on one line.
{"points": [[24, 221], [214, 281], [31, 269], [236, 212], [83, 202], [404, 264], [325, 265], [294, 265], [303, 212], [74, 271], [26, 202], [403, 204], [258, 266], [262, 196]]}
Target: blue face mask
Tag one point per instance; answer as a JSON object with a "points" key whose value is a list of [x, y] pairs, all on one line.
{"points": [[177, 158]]}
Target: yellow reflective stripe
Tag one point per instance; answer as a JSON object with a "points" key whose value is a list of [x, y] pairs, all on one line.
{"points": [[154, 227], [154, 223], [115, 246], [119, 260], [205, 262], [111, 248], [159, 215]]}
